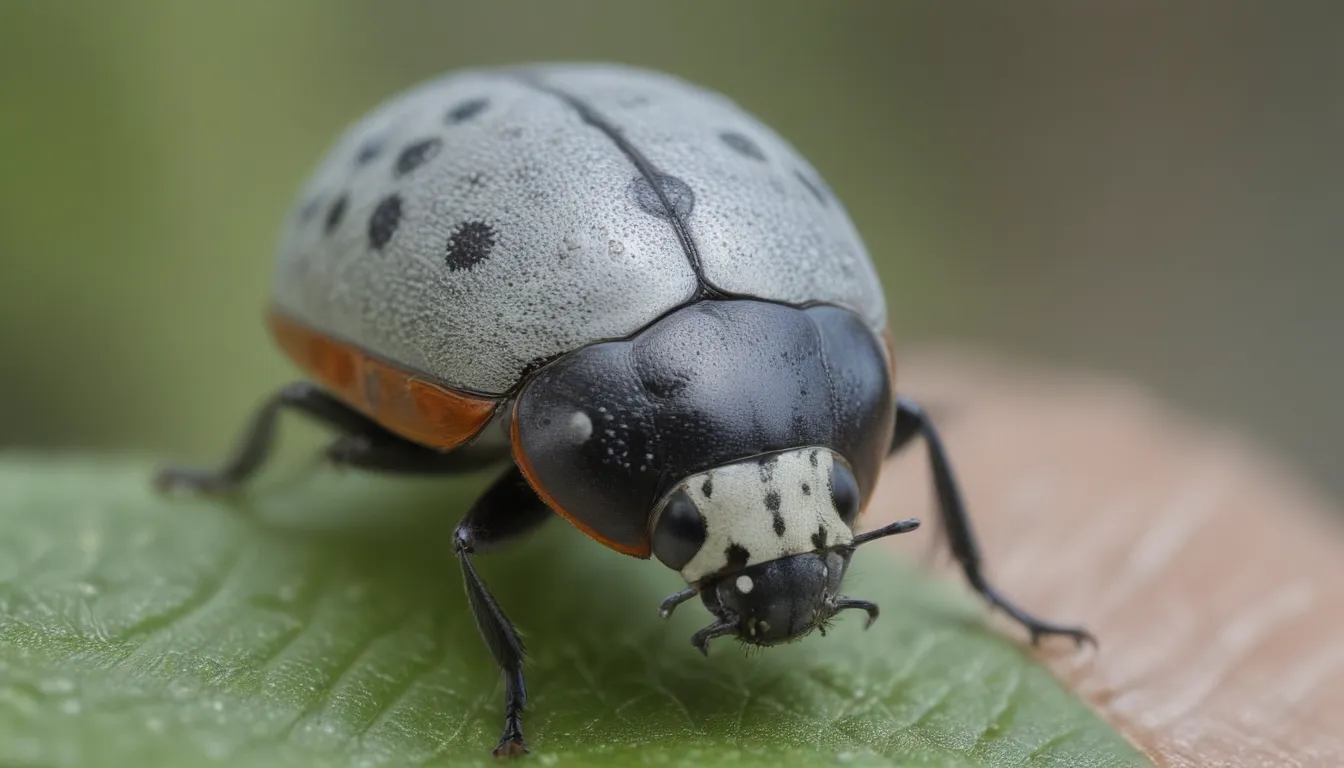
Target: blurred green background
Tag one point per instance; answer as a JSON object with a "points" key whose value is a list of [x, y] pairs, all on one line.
{"points": [[1143, 188]]}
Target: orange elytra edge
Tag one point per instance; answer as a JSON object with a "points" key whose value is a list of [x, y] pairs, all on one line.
{"points": [[418, 410]]}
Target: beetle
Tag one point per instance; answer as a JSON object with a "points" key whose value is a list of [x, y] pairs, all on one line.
{"points": [[635, 296]]}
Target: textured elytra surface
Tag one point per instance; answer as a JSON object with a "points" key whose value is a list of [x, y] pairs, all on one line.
{"points": [[763, 222], [139, 631], [480, 221]]}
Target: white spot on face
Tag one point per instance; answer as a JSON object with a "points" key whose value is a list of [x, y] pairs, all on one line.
{"points": [[582, 426], [744, 584]]}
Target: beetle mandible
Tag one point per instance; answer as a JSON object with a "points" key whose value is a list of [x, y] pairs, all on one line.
{"points": [[637, 296]]}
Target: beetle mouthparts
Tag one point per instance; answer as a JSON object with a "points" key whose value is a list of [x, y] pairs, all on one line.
{"points": [[842, 603], [718, 629]]}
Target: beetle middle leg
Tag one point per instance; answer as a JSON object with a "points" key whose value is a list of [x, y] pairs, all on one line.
{"points": [[912, 421], [507, 510]]}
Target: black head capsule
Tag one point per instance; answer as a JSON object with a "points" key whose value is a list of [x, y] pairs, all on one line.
{"points": [[785, 599], [778, 600]]}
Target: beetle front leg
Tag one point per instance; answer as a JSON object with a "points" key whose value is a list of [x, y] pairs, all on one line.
{"points": [[911, 420], [507, 510]]}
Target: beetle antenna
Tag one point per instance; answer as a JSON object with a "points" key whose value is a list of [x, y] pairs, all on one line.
{"points": [[701, 639], [900, 526], [671, 602]]}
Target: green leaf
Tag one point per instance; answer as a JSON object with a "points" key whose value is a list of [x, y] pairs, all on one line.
{"points": [[321, 621]]}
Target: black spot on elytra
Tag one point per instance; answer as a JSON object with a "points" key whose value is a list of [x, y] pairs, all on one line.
{"points": [[469, 244], [819, 538], [807, 489], [707, 487], [467, 110], [383, 223], [737, 556], [335, 213], [677, 192], [812, 458], [772, 501], [415, 155], [811, 187], [779, 524], [742, 145], [368, 152]]}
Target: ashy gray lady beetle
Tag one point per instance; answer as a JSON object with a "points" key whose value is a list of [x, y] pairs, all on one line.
{"points": [[637, 295]]}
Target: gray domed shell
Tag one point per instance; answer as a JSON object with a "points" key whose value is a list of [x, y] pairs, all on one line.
{"points": [[486, 221]]}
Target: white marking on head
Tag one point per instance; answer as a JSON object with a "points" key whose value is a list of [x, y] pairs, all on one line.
{"points": [[744, 584], [582, 426], [763, 510]]}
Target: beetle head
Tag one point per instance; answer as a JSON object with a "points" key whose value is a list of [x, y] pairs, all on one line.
{"points": [[765, 543]]}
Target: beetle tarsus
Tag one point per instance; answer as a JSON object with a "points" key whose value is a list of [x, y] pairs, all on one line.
{"points": [[912, 420], [1033, 625], [511, 745], [203, 481]]}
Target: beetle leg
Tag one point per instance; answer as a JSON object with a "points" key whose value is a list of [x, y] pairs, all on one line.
{"points": [[911, 420], [909, 417], [508, 509], [364, 444], [388, 453], [255, 446]]}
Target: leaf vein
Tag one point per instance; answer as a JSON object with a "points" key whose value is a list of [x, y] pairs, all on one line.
{"points": [[154, 627], [416, 674]]}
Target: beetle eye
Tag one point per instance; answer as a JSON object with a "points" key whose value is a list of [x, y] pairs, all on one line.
{"points": [[680, 532], [844, 492]]}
